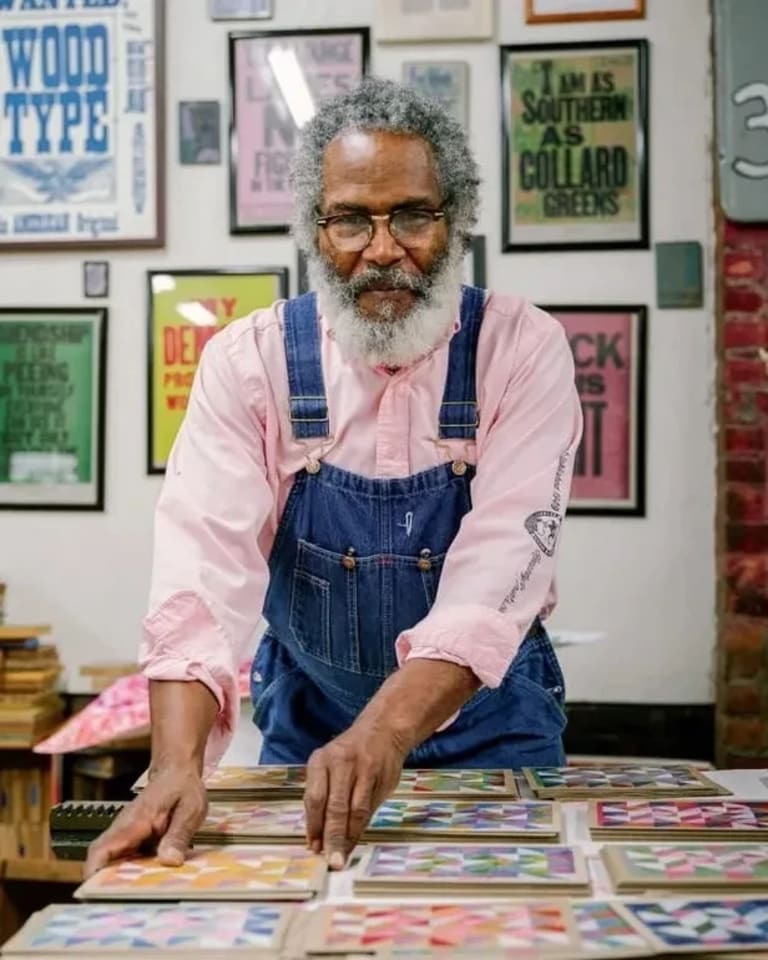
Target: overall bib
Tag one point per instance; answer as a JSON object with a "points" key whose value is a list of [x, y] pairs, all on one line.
{"points": [[357, 560]]}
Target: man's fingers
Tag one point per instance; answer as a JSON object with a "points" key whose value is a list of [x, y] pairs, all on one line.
{"points": [[185, 821], [361, 810], [315, 798], [118, 841], [337, 814]]}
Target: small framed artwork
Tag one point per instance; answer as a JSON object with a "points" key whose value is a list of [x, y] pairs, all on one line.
{"points": [[240, 9], [52, 407], [199, 132], [475, 271], [96, 278], [82, 148], [609, 346], [277, 78], [186, 308], [420, 21], [575, 146], [564, 11], [447, 82], [679, 269]]}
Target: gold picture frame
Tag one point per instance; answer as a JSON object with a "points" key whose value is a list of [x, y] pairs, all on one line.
{"points": [[538, 11]]}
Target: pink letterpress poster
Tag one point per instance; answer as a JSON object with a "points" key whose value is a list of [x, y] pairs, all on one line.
{"points": [[608, 346], [278, 81]]}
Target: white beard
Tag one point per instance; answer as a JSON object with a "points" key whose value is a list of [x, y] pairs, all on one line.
{"points": [[388, 341]]}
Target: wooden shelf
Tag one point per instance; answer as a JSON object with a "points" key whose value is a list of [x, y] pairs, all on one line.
{"points": [[47, 871]]}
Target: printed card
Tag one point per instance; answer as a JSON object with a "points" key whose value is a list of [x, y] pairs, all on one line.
{"points": [[275, 821], [465, 819], [698, 925], [678, 816], [642, 780], [124, 928], [418, 867], [209, 873], [277, 780], [458, 783], [718, 866]]}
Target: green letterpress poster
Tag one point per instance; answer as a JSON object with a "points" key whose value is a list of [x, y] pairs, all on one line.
{"points": [[52, 369], [575, 128]]}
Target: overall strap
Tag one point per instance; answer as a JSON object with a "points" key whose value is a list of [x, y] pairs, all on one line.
{"points": [[458, 412], [301, 333]]}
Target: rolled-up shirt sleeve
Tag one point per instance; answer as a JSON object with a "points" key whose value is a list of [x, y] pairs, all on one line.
{"points": [[499, 571], [209, 575]]}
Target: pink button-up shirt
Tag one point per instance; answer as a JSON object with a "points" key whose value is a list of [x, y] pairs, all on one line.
{"points": [[231, 469]]}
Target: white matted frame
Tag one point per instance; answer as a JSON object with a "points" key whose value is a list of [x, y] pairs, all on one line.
{"points": [[417, 21], [563, 11]]}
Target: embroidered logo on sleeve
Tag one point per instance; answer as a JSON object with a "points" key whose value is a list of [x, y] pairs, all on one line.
{"points": [[544, 527]]}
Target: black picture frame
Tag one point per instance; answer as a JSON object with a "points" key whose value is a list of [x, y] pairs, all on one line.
{"points": [[589, 383], [160, 436], [63, 496], [280, 225], [554, 236]]}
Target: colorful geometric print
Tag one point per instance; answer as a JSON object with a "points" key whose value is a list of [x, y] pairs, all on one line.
{"points": [[463, 815], [683, 814], [466, 863], [213, 870], [357, 927], [627, 777], [454, 781], [602, 927], [158, 927], [710, 923], [678, 862], [257, 778], [284, 818]]}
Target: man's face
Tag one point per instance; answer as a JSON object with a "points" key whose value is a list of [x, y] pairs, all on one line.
{"points": [[377, 173]]}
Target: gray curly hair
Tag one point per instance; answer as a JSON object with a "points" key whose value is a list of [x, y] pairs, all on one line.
{"points": [[379, 104]]}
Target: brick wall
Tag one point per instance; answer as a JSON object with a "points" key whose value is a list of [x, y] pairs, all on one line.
{"points": [[742, 689]]}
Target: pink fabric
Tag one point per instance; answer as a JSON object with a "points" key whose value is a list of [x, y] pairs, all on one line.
{"points": [[234, 461], [120, 711]]}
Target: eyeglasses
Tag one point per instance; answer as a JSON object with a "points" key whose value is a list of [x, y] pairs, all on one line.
{"points": [[352, 232]]}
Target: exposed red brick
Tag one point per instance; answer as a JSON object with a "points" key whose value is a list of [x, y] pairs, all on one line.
{"points": [[735, 761], [743, 636], [747, 733], [745, 371], [744, 439], [745, 471], [744, 265], [744, 333], [744, 666], [746, 538], [740, 299], [744, 698], [746, 503], [740, 406]]}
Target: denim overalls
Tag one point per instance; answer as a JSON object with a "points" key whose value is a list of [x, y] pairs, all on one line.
{"points": [[348, 573]]}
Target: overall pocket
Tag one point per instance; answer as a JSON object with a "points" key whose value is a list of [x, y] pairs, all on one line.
{"points": [[348, 610]]}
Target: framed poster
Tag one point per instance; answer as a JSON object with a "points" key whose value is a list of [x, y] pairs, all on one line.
{"points": [[741, 69], [575, 135], [52, 407], [418, 21], [81, 142], [564, 11], [443, 80], [609, 345], [276, 81], [186, 308]]}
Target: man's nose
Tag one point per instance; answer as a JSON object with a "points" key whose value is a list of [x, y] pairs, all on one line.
{"points": [[383, 250]]}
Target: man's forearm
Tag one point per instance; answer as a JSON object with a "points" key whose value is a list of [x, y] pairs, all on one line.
{"points": [[183, 714], [418, 698]]}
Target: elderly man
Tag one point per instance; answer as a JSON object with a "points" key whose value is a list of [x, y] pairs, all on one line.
{"points": [[381, 469]]}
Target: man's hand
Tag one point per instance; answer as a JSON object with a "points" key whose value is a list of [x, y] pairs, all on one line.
{"points": [[167, 813], [347, 780]]}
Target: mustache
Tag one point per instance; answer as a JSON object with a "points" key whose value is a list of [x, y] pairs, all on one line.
{"points": [[388, 278]]}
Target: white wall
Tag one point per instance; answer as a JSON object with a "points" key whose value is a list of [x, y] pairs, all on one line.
{"points": [[648, 583]]}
